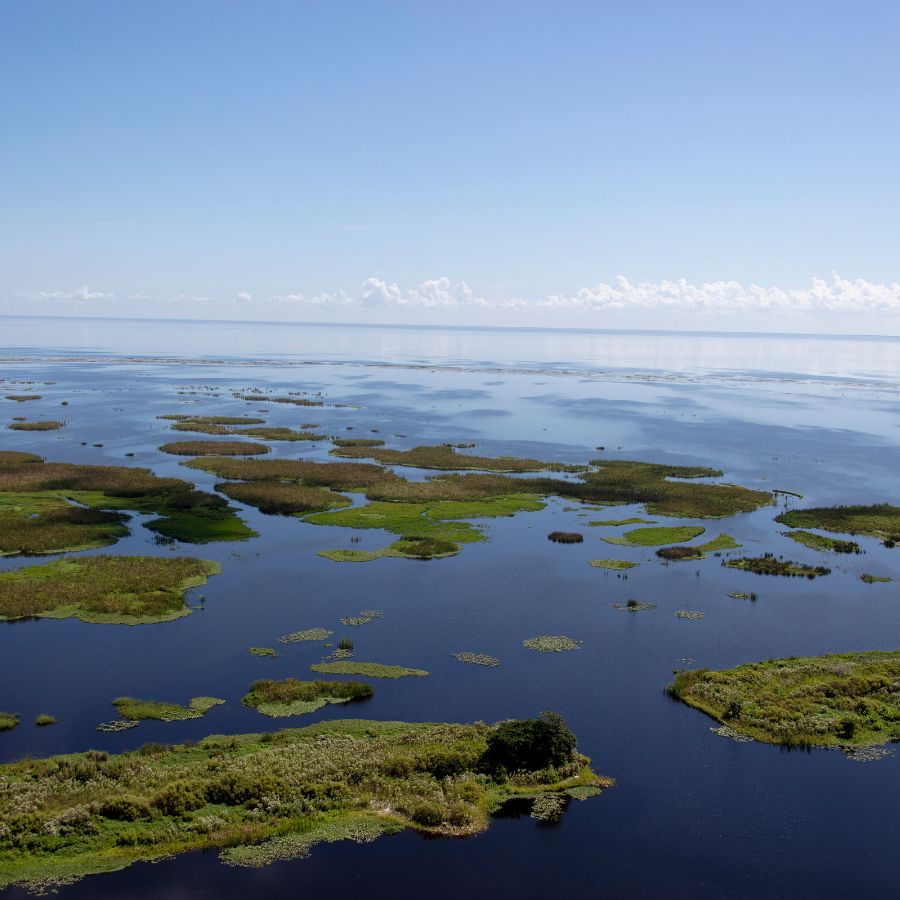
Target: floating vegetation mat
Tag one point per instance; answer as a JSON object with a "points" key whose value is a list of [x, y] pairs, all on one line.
{"points": [[127, 590], [768, 564], [214, 448], [690, 614], [874, 579], [134, 710], [818, 542], [290, 697], [633, 606], [367, 669], [266, 797], [117, 725], [44, 425], [616, 564], [840, 699], [262, 651], [607, 523], [365, 616], [477, 659], [8, 721], [552, 643], [565, 537], [653, 537], [742, 595], [309, 634]]}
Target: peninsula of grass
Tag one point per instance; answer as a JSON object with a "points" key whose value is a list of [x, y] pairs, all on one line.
{"points": [[366, 669], [127, 590], [551, 643], [699, 551], [184, 513], [265, 797], [844, 699], [768, 564], [282, 498], [654, 537], [619, 565], [290, 697], [879, 520], [40, 425], [262, 651], [214, 448], [8, 721], [818, 542], [139, 710]]}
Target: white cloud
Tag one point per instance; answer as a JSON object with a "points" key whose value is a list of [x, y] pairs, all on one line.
{"points": [[82, 294], [436, 292], [244, 297]]}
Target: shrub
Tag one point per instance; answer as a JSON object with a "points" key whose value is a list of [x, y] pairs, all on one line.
{"points": [[180, 797], [565, 537], [530, 744], [345, 644], [428, 814], [124, 809], [43, 720], [235, 789]]}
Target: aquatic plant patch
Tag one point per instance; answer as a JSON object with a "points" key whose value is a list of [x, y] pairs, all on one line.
{"points": [[40, 425], [818, 542], [282, 498], [878, 520], [689, 614], [128, 590], [615, 564], [309, 634], [366, 669], [138, 710], [768, 564], [290, 697], [477, 659], [262, 651], [365, 616], [698, 551], [607, 523], [552, 643], [565, 537], [633, 606], [8, 721], [834, 700], [653, 537], [214, 448], [874, 579]]}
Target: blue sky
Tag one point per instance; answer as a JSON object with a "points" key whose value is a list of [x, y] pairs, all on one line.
{"points": [[458, 162]]}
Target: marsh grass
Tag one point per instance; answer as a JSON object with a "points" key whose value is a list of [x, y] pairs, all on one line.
{"points": [[22, 398], [689, 614], [365, 616], [652, 537], [291, 697], [8, 721], [262, 651], [615, 564], [818, 542], [282, 498], [138, 710], [366, 669], [835, 700], [309, 634], [878, 520], [607, 523], [565, 537], [41, 425], [768, 564], [633, 606], [699, 551], [214, 448], [552, 643], [442, 456], [129, 590], [44, 720], [874, 579], [477, 659]]}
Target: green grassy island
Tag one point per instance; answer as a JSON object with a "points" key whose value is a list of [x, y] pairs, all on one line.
{"points": [[264, 797], [845, 699], [768, 564], [40, 425], [879, 520], [290, 697], [114, 590]]}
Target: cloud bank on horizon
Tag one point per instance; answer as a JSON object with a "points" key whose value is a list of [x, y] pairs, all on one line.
{"points": [[820, 298]]}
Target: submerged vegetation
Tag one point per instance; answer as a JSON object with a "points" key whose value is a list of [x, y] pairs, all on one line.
{"points": [[844, 698], [272, 796], [653, 537], [366, 669], [768, 564], [633, 606], [874, 579], [290, 697], [551, 643], [879, 520], [818, 542], [134, 710], [128, 590]]}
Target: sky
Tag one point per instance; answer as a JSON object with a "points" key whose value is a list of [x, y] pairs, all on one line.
{"points": [[634, 164]]}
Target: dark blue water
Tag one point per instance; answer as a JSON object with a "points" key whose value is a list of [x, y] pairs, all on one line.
{"points": [[693, 814]]}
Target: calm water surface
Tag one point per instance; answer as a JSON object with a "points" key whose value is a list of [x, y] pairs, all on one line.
{"points": [[694, 814]]}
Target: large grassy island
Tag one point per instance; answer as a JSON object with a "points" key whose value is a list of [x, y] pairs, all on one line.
{"points": [[262, 797], [839, 700]]}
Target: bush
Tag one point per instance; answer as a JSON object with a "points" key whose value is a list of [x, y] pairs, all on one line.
{"points": [[180, 797], [124, 809], [530, 744], [565, 537], [233, 790], [447, 763], [428, 814], [345, 644]]}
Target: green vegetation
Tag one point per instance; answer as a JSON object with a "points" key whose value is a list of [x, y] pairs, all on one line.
{"points": [[768, 564], [699, 551], [689, 614], [565, 537], [340, 554], [182, 420], [653, 537], [283, 498], [266, 797], [818, 542], [365, 616], [366, 669], [280, 434], [742, 595], [185, 513], [310, 634], [43, 720], [605, 523], [8, 721], [879, 520], [21, 398], [42, 425], [214, 448], [262, 651], [294, 698], [841, 699], [633, 606], [138, 710], [127, 590], [264, 398], [874, 579], [552, 643], [617, 564], [357, 442], [477, 659]]}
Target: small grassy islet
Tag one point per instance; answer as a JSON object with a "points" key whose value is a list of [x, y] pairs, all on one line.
{"points": [[653, 537], [366, 669], [615, 564], [477, 659], [552, 643], [698, 551], [879, 520], [134, 710], [818, 542], [214, 448], [769, 564], [290, 697], [309, 634], [41, 425]]}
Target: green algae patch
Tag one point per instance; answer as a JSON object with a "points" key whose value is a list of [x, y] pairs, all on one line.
{"points": [[8, 721], [309, 634], [262, 651], [836, 700], [879, 520], [699, 551], [614, 564], [552, 643], [282, 498], [768, 564], [41, 425], [214, 448], [266, 797], [184, 513], [290, 697], [127, 590], [818, 542], [606, 523], [133, 710], [35, 524], [654, 537], [366, 669]]}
